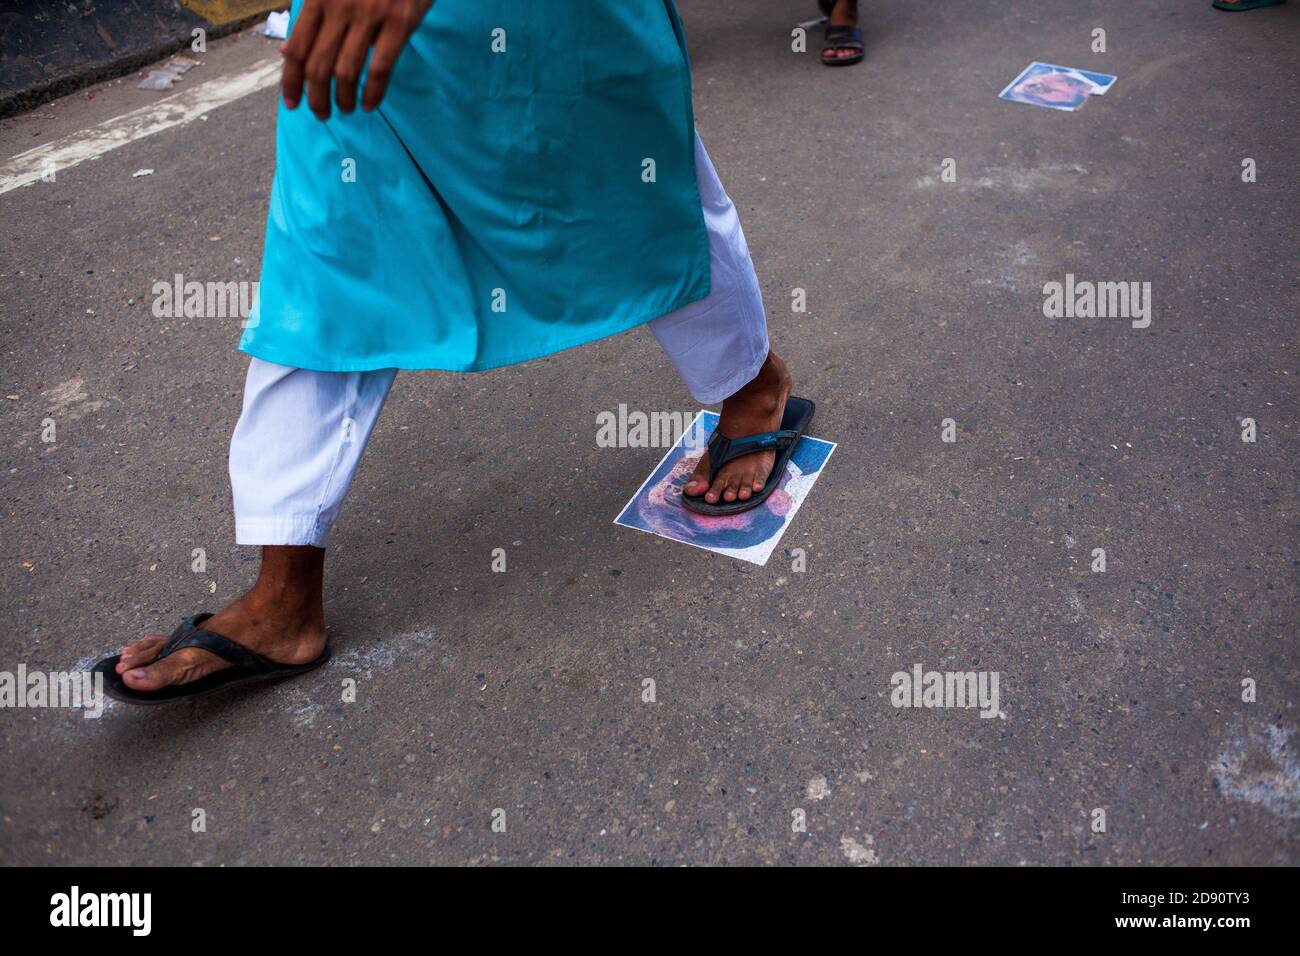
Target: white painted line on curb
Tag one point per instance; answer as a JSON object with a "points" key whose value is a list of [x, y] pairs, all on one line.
{"points": [[174, 110]]}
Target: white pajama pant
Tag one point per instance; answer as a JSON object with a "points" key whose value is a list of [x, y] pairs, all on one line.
{"points": [[301, 432]]}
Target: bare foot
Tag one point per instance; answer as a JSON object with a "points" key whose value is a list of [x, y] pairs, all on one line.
{"points": [[282, 617], [756, 408]]}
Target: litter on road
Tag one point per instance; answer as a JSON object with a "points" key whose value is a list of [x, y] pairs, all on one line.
{"points": [[165, 76], [1056, 87], [276, 26]]}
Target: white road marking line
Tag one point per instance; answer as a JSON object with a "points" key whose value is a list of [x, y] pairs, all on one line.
{"points": [[174, 110]]}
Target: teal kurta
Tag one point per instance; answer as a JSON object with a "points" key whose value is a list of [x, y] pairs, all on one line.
{"points": [[496, 207]]}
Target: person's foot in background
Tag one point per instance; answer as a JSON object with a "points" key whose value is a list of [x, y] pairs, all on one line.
{"points": [[843, 37], [1244, 4]]}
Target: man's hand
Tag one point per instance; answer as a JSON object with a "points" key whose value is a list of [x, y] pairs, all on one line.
{"points": [[330, 40]]}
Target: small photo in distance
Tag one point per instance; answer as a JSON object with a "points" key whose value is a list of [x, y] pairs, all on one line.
{"points": [[1056, 87]]}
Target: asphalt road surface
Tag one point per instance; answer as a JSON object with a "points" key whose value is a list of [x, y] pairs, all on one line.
{"points": [[517, 696]]}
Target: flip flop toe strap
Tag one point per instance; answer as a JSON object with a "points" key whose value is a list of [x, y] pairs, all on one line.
{"points": [[189, 634], [842, 36], [723, 449]]}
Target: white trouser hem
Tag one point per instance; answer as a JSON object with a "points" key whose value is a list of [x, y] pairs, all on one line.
{"points": [[718, 343], [720, 393], [284, 530]]}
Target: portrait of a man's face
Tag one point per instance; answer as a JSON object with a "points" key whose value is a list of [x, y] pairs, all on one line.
{"points": [[751, 535], [1056, 87]]}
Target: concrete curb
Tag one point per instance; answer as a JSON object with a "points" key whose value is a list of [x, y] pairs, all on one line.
{"points": [[66, 45]]}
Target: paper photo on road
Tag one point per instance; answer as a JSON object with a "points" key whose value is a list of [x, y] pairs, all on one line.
{"points": [[751, 536], [1056, 87]]}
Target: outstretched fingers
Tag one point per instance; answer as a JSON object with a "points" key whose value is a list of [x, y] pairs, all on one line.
{"points": [[320, 65], [295, 51], [327, 49], [351, 61], [392, 37]]}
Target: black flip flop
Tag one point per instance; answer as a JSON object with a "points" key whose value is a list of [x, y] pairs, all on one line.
{"points": [[798, 413], [843, 37], [245, 666], [1246, 5]]}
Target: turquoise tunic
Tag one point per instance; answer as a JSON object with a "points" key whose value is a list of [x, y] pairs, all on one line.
{"points": [[501, 204]]}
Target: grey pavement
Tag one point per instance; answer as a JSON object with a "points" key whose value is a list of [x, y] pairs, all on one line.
{"points": [[1120, 691]]}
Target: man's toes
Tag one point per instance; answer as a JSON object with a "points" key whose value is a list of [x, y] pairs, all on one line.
{"points": [[696, 486], [153, 676], [178, 668], [698, 483], [141, 652], [149, 640], [739, 484]]}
